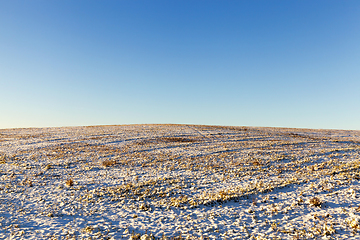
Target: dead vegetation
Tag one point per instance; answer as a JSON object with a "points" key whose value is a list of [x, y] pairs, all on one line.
{"points": [[108, 163], [315, 201], [154, 168], [69, 183]]}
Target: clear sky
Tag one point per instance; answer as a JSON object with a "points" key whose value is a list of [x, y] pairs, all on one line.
{"points": [[245, 63]]}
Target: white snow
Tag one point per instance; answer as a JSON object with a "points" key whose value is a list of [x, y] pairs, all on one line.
{"points": [[172, 181]]}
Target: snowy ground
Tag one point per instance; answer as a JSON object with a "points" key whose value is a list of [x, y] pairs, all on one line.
{"points": [[179, 181]]}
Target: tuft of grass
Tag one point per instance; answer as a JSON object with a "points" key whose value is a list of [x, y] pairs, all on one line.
{"points": [[108, 163], [315, 202], [69, 182], [3, 159]]}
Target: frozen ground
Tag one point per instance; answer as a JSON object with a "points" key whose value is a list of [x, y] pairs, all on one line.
{"points": [[179, 181]]}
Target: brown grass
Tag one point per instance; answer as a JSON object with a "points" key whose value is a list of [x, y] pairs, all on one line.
{"points": [[108, 163], [69, 182], [315, 202]]}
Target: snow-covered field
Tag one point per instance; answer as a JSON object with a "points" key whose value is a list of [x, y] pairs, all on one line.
{"points": [[180, 182]]}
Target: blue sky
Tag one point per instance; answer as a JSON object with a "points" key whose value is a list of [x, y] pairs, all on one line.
{"points": [[245, 63]]}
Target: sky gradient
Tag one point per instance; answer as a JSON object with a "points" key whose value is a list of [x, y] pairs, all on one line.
{"points": [[244, 63]]}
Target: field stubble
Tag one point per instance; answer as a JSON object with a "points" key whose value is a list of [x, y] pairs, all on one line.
{"points": [[179, 182]]}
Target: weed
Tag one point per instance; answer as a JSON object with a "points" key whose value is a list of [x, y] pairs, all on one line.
{"points": [[108, 163], [3, 159], [315, 202], [69, 182]]}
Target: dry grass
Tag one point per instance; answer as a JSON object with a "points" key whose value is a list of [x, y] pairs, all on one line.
{"points": [[315, 201], [108, 163], [69, 182], [155, 168]]}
